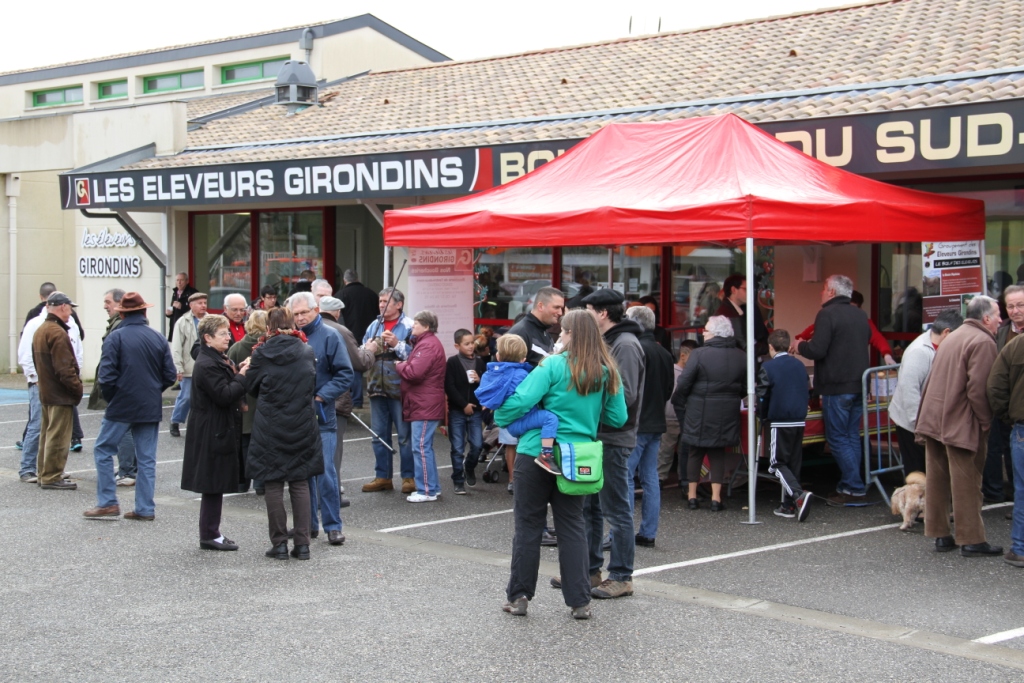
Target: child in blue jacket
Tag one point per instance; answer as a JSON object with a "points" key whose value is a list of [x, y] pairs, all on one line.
{"points": [[500, 382]]}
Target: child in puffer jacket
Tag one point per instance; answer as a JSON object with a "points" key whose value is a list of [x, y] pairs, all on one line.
{"points": [[500, 382]]}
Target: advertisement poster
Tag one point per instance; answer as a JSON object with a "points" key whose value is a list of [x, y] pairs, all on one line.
{"points": [[952, 276], [441, 281]]}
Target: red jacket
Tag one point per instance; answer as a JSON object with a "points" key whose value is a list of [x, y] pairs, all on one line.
{"points": [[422, 376]]}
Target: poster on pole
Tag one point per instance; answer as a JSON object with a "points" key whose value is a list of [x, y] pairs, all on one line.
{"points": [[441, 281], [952, 276]]}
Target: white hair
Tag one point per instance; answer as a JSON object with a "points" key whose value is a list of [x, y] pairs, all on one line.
{"points": [[304, 296], [840, 284], [235, 295], [718, 326], [642, 315], [317, 284]]}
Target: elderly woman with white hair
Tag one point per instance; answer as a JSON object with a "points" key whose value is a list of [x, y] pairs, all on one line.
{"points": [[708, 398]]}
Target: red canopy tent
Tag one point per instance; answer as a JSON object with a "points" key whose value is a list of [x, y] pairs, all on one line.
{"points": [[717, 180]]}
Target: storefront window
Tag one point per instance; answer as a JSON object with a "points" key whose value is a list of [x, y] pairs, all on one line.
{"points": [[697, 277], [507, 279], [289, 242], [222, 256]]}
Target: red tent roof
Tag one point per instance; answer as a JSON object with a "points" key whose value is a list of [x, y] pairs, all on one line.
{"points": [[714, 179]]}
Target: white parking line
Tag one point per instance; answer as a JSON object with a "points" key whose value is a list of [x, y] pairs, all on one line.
{"points": [[443, 521], [1000, 637]]}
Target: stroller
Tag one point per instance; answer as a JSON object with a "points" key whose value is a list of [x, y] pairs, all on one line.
{"points": [[496, 463]]}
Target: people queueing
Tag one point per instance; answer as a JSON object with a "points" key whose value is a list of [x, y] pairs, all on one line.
{"points": [[643, 460], [734, 307], [782, 398], [387, 338], [255, 327], [422, 387], [462, 376], [185, 337], [999, 456], [839, 350], [612, 502], [915, 367], [179, 306], [333, 378], [954, 421], [214, 435], [135, 369]]}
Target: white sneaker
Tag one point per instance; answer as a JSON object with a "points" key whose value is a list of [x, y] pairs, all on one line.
{"points": [[341, 489], [125, 481], [420, 498]]}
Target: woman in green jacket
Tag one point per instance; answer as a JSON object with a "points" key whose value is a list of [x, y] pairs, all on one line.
{"points": [[581, 386]]}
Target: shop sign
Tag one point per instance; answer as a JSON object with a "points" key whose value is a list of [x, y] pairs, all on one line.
{"points": [[108, 266], [952, 276]]}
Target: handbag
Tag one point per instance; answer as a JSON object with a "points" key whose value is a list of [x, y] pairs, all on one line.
{"points": [[582, 466]]}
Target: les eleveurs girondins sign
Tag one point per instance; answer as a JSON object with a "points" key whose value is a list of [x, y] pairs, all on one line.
{"points": [[965, 136]]}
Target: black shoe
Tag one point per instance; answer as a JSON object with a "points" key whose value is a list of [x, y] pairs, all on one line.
{"points": [[344, 503], [717, 505], [548, 539], [60, 485], [300, 552], [226, 544], [607, 545], [76, 445], [174, 429], [803, 506], [260, 491], [980, 550], [470, 476], [280, 551], [334, 538], [460, 489], [944, 544], [644, 541], [693, 504]]}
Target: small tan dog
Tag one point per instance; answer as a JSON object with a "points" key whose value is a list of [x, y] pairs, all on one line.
{"points": [[909, 500]]}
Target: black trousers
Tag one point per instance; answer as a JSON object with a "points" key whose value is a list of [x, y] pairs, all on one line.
{"points": [[716, 459], [535, 489], [785, 448], [913, 453], [277, 516], [209, 516]]}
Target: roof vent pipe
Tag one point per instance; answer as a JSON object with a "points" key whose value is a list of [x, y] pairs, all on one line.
{"points": [[296, 86], [306, 42]]}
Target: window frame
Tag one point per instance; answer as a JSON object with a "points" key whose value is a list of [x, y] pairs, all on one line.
{"points": [[64, 100], [259, 62], [102, 84], [176, 74]]}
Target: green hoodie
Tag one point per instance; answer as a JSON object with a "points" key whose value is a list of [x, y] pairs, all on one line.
{"points": [[578, 416]]}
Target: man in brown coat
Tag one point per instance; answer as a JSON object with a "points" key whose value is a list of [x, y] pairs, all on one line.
{"points": [[954, 420], [60, 390]]}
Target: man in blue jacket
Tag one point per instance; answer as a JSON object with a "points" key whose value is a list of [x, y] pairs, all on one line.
{"points": [[334, 376], [135, 369]]}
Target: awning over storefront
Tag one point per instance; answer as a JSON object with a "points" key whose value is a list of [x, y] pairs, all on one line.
{"points": [[714, 180]]}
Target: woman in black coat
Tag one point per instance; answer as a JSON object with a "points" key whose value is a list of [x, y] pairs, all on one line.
{"points": [[214, 429], [709, 390], [285, 444]]}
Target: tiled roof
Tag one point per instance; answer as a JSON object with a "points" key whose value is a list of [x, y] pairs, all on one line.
{"points": [[204, 106], [875, 57]]}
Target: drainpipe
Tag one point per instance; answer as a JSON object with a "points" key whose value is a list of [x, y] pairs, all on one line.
{"points": [[13, 192]]}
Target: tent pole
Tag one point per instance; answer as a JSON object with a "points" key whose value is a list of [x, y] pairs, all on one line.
{"points": [[751, 398], [387, 266], [611, 268]]}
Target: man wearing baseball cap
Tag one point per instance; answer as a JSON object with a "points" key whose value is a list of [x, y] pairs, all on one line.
{"points": [[60, 390], [135, 369]]}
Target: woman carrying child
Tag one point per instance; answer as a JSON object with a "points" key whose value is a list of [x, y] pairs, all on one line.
{"points": [[581, 387]]}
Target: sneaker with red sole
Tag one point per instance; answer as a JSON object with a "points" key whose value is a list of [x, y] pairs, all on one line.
{"points": [[546, 461]]}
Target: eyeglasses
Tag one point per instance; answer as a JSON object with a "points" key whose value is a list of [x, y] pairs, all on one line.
{"points": [[1015, 307]]}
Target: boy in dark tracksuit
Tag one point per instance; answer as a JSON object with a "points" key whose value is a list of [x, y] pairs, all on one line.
{"points": [[461, 379], [782, 396]]}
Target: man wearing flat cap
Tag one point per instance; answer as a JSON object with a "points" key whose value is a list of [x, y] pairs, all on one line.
{"points": [[60, 390], [186, 334], [135, 369], [612, 503]]}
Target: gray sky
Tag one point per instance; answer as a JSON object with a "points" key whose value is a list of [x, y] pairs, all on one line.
{"points": [[39, 33]]}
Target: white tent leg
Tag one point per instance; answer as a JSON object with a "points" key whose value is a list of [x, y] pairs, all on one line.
{"points": [[751, 396]]}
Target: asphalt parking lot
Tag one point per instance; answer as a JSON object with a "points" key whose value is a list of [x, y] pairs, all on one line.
{"points": [[416, 591]]}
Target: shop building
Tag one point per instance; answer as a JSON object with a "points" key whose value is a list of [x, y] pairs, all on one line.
{"points": [[103, 113]]}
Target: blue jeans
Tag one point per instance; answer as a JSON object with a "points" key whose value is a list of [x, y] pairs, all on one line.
{"points": [[612, 504], [458, 425], [30, 442], [424, 462], [109, 439], [181, 406], [644, 459], [385, 412], [324, 495], [842, 413], [1017, 453], [544, 420]]}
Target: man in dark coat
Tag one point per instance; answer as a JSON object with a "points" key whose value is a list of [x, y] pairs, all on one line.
{"points": [[135, 369], [360, 309], [839, 350], [179, 302], [60, 390], [643, 460], [734, 307]]}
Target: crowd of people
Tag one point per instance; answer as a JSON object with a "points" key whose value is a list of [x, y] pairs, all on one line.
{"points": [[266, 389]]}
